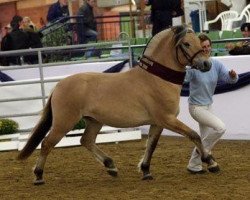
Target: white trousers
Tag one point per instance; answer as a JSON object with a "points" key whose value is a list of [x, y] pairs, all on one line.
{"points": [[211, 130]]}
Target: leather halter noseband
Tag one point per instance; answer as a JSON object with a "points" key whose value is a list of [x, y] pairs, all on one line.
{"points": [[185, 53]]}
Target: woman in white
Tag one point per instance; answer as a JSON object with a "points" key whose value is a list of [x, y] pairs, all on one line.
{"points": [[202, 86]]}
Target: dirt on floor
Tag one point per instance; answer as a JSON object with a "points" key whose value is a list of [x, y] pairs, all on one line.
{"points": [[73, 173]]}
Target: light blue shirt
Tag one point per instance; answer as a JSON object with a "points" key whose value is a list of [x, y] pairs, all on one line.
{"points": [[202, 84]]}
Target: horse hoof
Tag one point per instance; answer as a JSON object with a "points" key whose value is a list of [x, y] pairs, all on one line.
{"points": [[112, 172], [147, 177], [214, 169], [39, 182]]}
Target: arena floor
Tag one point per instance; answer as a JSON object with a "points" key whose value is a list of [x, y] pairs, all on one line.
{"points": [[72, 173]]}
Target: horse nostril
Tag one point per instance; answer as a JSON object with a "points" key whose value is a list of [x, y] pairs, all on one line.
{"points": [[207, 65]]}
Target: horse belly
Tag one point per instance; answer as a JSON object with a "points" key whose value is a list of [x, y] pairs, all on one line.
{"points": [[121, 122], [119, 113]]}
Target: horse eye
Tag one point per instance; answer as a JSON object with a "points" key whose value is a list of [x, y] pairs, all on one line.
{"points": [[186, 44]]}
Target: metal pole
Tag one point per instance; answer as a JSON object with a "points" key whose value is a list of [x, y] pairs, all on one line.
{"points": [[142, 14], [70, 10], [129, 47], [131, 17], [41, 77]]}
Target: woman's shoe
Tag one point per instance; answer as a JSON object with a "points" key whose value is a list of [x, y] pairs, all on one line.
{"points": [[196, 172]]}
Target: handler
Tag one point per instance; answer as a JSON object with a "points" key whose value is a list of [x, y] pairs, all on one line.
{"points": [[202, 86]]}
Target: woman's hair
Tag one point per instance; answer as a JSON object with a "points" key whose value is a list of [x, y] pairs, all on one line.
{"points": [[28, 25], [203, 37], [15, 22]]}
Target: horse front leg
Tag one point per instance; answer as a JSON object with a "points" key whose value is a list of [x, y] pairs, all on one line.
{"points": [[177, 126], [153, 137]]}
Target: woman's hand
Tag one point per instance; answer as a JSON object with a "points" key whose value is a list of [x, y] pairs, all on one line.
{"points": [[232, 74]]}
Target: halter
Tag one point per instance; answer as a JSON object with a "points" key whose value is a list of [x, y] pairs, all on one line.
{"points": [[186, 54], [161, 71]]}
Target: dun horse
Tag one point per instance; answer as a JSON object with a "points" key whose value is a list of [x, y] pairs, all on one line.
{"points": [[148, 94]]}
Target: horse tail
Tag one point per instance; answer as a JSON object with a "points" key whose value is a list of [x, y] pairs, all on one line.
{"points": [[39, 132]]}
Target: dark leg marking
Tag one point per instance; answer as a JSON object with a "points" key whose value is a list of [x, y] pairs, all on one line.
{"points": [[109, 164], [39, 176], [146, 173], [213, 166]]}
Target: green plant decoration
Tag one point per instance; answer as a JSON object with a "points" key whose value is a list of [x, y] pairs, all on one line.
{"points": [[57, 37], [8, 126], [80, 125]]}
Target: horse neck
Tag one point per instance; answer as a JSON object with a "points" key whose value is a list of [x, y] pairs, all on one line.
{"points": [[153, 81], [165, 54]]}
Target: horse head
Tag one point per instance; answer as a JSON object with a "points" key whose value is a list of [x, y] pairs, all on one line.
{"points": [[177, 47]]}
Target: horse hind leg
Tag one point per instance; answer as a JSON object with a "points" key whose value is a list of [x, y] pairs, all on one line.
{"points": [[153, 137], [47, 145], [56, 133], [88, 140]]}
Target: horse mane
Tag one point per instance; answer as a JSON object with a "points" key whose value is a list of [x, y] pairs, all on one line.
{"points": [[178, 33]]}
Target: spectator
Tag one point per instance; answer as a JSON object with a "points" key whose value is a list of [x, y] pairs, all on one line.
{"points": [[202, 86], [58, 10], [42, 22], [34, 38], [8, 29], [86, 23], [241, 48], [5, 31], [1, 32], [162, 13], [16, 39], [28, 24]]}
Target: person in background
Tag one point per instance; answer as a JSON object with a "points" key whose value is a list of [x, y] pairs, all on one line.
{"points": [[5, 30], [4, 61], [42, 22], [34, 38], [16, 39], [1, 32], [58, 10], [87, 29], [201, 90], [241, 48], [162, 13], [28, 24], [8, 29]]}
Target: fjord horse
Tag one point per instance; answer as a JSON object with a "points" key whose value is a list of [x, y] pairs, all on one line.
{"points": [[148, 94]]}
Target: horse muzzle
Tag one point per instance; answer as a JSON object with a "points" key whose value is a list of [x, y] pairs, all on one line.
{"points": [[202, 65]]}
